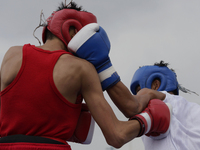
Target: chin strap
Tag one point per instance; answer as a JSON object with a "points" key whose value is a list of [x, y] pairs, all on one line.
{"points": [[183, 89], [41, 24]]}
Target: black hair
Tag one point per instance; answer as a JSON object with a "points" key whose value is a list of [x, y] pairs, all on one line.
{"points": [[71, 5], [163, 64]]}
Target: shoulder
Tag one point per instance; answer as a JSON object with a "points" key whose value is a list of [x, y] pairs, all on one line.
{"points": [[12, 51], [69, 65], [76, 62], [15, 48]]}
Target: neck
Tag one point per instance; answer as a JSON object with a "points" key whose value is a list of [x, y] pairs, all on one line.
{"points": [[53, 45], [171, 93]]}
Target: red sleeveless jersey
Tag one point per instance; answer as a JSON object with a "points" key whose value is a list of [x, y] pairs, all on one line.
{"points": [[32, 105]]}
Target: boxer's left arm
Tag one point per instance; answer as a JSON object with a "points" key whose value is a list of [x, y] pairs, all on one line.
{"points": [[129, 104], [92, 43], [83, 133]]}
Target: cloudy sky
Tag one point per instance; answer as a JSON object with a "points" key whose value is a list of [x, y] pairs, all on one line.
{"points": [[141, 32]]}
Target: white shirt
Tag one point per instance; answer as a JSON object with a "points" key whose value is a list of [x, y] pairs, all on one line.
{"points": [[184, 128]]}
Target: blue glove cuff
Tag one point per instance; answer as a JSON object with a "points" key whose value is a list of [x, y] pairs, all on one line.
{"points": [[108, 76]]}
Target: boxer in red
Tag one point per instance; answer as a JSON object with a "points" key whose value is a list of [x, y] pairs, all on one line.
{"points": [[42, 88]]}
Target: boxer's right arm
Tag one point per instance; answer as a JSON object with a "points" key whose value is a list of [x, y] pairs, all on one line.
{"points": [[155, 116], [116, 132]]}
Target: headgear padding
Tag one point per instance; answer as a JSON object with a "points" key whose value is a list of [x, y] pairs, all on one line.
{"points": [[60, 21], [144, 77]]}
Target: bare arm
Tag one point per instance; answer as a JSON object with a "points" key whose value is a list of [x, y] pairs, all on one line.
{"points": [[10, 65], [0, 86], [0, 90], [116, 132], [129, 104]]}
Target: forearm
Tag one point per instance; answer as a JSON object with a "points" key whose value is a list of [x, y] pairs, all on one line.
{"points": [[129, 104], [123, 99], [116, 132], [145, 95], [131, 130], [123, 132]]}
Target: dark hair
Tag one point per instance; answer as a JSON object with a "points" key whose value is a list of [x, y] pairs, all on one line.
{"points": [[163, 64], [49, 35], [72, 5]]}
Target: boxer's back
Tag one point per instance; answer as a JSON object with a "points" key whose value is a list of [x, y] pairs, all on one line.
{"points": [[66, 73]]}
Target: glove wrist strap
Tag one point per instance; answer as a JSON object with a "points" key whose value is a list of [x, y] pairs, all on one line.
{"points": [[108, 76]]}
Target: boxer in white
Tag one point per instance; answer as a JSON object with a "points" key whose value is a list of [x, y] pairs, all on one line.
{"points": [[184, 131], [42, 88]]}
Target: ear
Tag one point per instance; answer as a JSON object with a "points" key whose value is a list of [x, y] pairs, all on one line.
{"points": [[74, 33], [155, 84]]}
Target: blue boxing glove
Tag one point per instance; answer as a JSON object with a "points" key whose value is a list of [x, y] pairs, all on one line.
{"points": [[92, 43]]}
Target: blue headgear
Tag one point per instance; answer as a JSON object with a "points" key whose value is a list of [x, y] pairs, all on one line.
{"points": [[144, 77]]}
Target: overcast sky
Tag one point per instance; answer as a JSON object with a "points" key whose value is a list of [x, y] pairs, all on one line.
{"points": [[141, 32]]}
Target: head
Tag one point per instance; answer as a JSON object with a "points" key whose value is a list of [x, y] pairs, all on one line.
{"points": [[158, 77], [65, 22]]}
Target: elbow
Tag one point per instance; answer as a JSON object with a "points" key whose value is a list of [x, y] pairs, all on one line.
{"points": [[116, 143], [116, 140], [130, 113], [131, 110]]}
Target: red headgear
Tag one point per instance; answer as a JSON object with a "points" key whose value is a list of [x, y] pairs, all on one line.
{"points": [[60, 21]]}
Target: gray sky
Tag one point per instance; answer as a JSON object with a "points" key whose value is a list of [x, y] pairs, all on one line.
{"points": [[141, 32]]}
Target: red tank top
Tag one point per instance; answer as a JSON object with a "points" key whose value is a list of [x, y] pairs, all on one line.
{"points": [[32, 105]]}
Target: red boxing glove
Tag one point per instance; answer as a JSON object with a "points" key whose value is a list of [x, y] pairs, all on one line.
{"points": [[85, 127], [155, 119]]}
